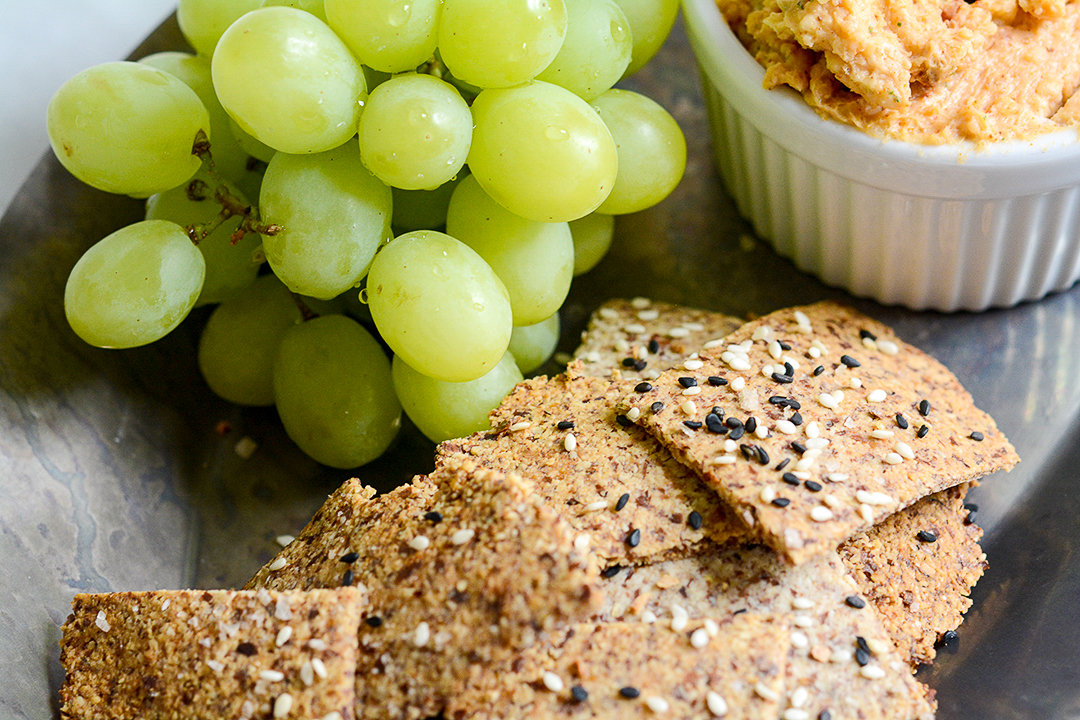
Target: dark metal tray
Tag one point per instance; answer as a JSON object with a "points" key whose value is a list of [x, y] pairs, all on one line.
{"points": [[114, 474]]}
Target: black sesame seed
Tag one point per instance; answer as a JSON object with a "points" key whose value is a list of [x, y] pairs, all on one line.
{"points": [[715, 424], [970, 519], [818, 370], [926, 536], [824, 715], [737, 433], [782, 379], [850, 361], [654, 346], [812, 486], [688, 382], [750, 424], [924, 407], [783, 345], [779, 400], [634, 538], [578, 693], [798, 447], [643, 387], [246, 648], [921, 432], [433, 517], [789, 369], [783, 464], [350, 557], [950, 636], [373, 621], [718, 411], [781, 502], [629, 361], [901, 421], [862, 657], [694, 520], [860, 642], [629, 692], [867, 335], [623, 420], [796, 419], [748, 451], [733, 422], [716, 380], [347, 578], [565, 425], [762, 456], [640, 365], [656, 407], [977, 436], [794, 404], [621, 502], [790, 479], [692, 424], [740, 611], [610, 572], [855, 601], [971, 507]]}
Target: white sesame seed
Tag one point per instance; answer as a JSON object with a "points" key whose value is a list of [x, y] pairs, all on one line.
{"points": [[319, 667], [812, 430], [420, 542], [888, 347], [307, 674], [874, 498], [799, 697], [648, 617], [801, 603], [421, 635], [800, 317], [283, 636], [518, 426], [799, 640], [634, 329], [820, 513], [608, 313], [893, 458], [767, 494], [648, 315], [699, 638], [282, 705], [827, 400], [775, 350], [877, 395], [678, 332], [866, 512], [790, 361], [651, 374], [640, 303], [838, 477], [633, 413], [657, 704], [767, 370], [801, 475], [277, 564], [272, 675], [724, 460], [739, 383], [679, 618], [462, 536], [713, 344], [284, 540], [814, 352], [102, 622], [794, 713], [695, 390], [316, 644], [881, 434], [802, 621], [598, 505], [832, 501], [582, 542], [872, 672], [694, 327], [712, 627], [787, 427], [761, 431], [730, 446], [570, 442], [805, 463], [688, 407], [552, 681], [904, 450], [335, 715], [854, 383], [838, 395], [869, 343], [693, 365], [766, 693], [763, 332], [716, 703], [817, 443], [737, 363]]}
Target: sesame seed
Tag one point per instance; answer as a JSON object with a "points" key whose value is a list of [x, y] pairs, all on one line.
{"points": [[812, 486], [782, 464], [623, 420], [598, 505], [271, 676], [877, 395], [801, 603], [738, 383], [694, 520], [838, 477], [901, 421], [725, 460], [611, 572], [867, 335], [866, 513], [569, 424], [762, 332], [793, 713], [799, 640], [319, 644], [782, 378], [802, 621], [716, 380], [570, 442], [855, 601], [926, 536], [657, 704], [977, 436], [462, 536], [277, 564], [648, 617], [699, 638], [629, 692], [712, 627], [904, 450], [827, 400], [924, 407], [420, 542], [872, 672], [790, 479], [679, 618], [374, 621], [922, 431], [654, 346], [716, 703], [433, 517], [579, 694], [781, 502], [767, 494], [766, 693], [824, 715], [421, 635], [634, 329], [634, 538], [818, 370], [873, 498], [648, 315], [838, 395], [802, 320], [893, 458], [881, 434], [552, 681], [621, 502], [850, 361], [688, 382], [283, 636], [641, 387], [786, 426], [817, 443], [678, 332], [693, 364], [319, 668], [282, 705], [862, 656], [692, 391], [888, 347], [350, 557], [820, 513], [656, 407], [688, 407], [518, 426]]}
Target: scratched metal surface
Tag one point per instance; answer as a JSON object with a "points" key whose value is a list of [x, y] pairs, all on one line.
{"points": [[112, 475]]}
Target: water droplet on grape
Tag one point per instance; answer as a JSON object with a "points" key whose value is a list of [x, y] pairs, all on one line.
{"points": [[479, 307], [399, 14], [554, 132], [618, 32]]}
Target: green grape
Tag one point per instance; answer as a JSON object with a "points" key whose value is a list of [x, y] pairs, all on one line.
{"points": [[203, 21], [333, 216], [286, 79], [439, 306], [415, 132], [534, 260], [423, 209], [650, 24], [238, 342], [194, 71], [596, 50], [532, 345], [315, 7], [592, 239], [445, 410], [127, 128], [652, 151], [229, 267], [387, 35], [251, 145], [134, 286], [334, 392], [500, 44], [541, 152]]}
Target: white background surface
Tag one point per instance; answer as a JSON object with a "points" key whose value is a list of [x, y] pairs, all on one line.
{"points": [[42, 44]]}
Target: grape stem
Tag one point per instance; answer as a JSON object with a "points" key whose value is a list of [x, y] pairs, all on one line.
{"points": [[231, 206]]}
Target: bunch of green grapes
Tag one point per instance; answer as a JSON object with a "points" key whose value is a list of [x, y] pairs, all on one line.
{"points": [[329, 173]]}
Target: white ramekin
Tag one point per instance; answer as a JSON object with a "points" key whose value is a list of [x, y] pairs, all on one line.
{"points": [[927, 227]]}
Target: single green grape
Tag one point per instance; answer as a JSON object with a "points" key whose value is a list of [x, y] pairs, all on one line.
{"points": [[194, 71], [650, 24], [596, 50], [333, 215], [500, 44], [534, 260], [652, 151], [415, 132], [127, 128], [134, 286], [203, 21], [445, 410], [334, 392], [286, 79], [532, 345], [238, 342], [387, 35], [439, 306], [315, 7], [542, 152], [229, 267], [423, 209], [592, 240]]}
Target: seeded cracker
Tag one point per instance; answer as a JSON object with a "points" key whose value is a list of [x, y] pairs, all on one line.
{"points": [[826, 670], [633, 670], [462, 572], [837, 428], [920, 588], [607, 481], [620, 332], [210, 654]]}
